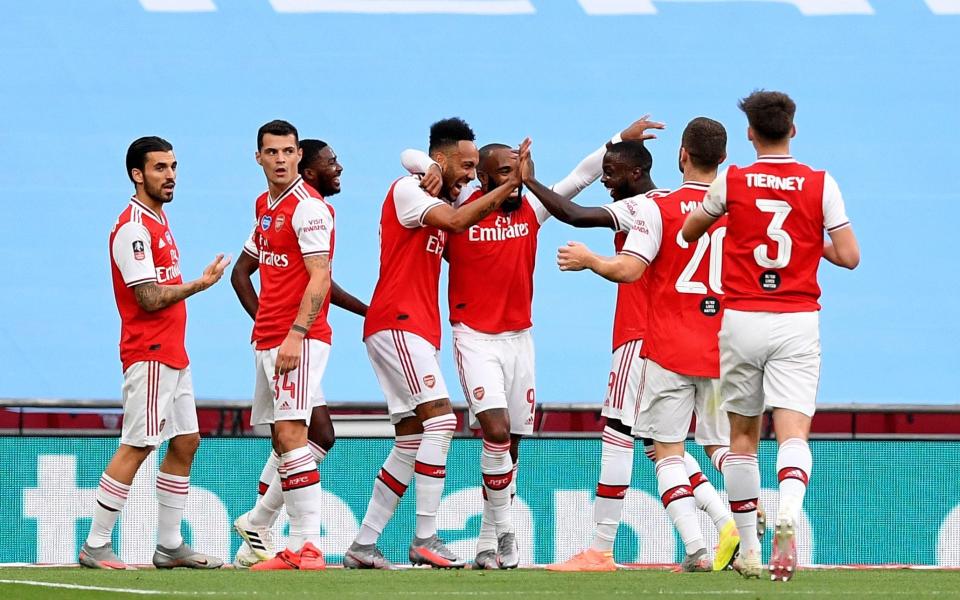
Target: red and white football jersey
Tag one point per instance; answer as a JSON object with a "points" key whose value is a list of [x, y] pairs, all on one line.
{"points": [[297, 224], [630, 318], [683, 283], [777, 212], [491, 268], [407, 292], [142, 250]]}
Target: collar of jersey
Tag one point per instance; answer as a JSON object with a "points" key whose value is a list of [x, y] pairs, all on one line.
{"points": [[271, 203], [696, 185], [136, 202], [776, 158]]}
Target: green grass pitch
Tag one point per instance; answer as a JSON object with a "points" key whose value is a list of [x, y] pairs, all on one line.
{"points": [[340, 584]]}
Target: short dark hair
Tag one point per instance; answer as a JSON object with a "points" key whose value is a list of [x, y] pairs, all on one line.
{"points": [[634, 153], [448, 132], [705, 140], [276, 127], [138, 150], [489, 148], [770, 114], [311, 150]]}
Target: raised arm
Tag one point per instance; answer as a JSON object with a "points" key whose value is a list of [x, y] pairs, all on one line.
{"points": [[242, 280], [591, 168], [458, 220], [343, 299]]}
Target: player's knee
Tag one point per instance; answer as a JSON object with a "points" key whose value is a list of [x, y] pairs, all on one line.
{"points": [[323, 437], [185, 445], [497, 431], [288, 436]]}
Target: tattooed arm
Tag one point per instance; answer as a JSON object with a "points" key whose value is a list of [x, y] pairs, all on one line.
{"points": [[318, 267], [152, 296]]}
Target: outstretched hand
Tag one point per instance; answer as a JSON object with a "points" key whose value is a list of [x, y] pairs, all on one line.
{"points": [[573, 257], [637, 131], [214, 271]]}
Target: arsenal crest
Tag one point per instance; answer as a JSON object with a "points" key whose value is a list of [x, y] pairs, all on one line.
{"points": [[429, 381], [280, 221], [478, 393]]}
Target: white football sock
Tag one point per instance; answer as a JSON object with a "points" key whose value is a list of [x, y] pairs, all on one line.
{"points": [[389, 487], [264, 512], [111, 495], [497, 469], [673, 485], [172, 493], [741, 473], [301, 494], [616, 470], [431, 470], [794, 463], [705, 494]]}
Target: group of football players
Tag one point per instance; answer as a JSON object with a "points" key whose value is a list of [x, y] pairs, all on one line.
{"points": [[717, 317]]}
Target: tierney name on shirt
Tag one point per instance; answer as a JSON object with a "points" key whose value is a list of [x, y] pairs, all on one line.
{"points": [[790, 184]]}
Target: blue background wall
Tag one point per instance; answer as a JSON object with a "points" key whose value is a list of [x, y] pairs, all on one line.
{"points": [[877, 96]]}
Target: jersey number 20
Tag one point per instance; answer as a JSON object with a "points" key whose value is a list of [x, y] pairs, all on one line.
{"points": [[713, 242]]}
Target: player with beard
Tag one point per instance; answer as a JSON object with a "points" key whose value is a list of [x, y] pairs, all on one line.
{"points": [[626, 174], [777, 212], [158, 402], [682, 368], [320, 170], [402, 335], [490, 297]]}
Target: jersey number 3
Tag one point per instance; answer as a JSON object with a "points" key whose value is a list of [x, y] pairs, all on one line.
{"points": [[761, 253]]}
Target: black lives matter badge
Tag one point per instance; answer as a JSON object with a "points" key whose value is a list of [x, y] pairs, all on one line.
{"points": [[710, 306], [138, 250], [769, 281]]}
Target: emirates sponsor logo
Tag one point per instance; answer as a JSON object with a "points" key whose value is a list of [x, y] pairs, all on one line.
{"points": [[274, 259], [165, 274], [478, 393], [429, 381], [502, 232]]}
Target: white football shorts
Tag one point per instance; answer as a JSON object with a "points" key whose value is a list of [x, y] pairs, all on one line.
{"points": [[769, 359], [291, 396], [158, 404], [623, 383], [408, 369], [496, 371], [667, 402]]}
